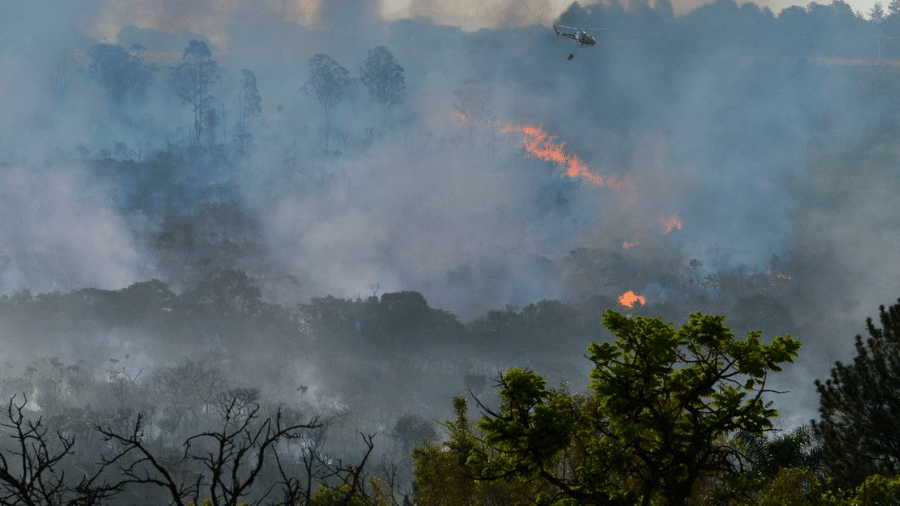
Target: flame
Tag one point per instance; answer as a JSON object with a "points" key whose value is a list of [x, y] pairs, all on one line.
{"points": [[542, 145], [626, 244], [628, 299], [461, 117], [672, 223]]}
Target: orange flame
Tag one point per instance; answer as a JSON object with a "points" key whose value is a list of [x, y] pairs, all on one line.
{"points": [[628, 299], [626, 244], [461, 117], [630, 244], [673, 223], [541, 145]]}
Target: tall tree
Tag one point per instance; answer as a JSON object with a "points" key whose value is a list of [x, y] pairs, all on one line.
{"points": [[663, 404], [249, 107], [123, 74], [195, 78], [859, 406], [876, 14], [383, 77], [328, 83]]}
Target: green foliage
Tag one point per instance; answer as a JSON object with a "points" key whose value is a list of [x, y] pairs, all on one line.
{"points": [[800, 487], [663, 404], [441, 477], [860, 404], [336, 496], [767, 456]]}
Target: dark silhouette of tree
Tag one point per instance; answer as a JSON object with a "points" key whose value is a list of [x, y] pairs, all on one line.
{"points": [[410, 430], [123, 74], [33, 473], [859, 406], [876, 14], [227, 291], [177, 234], [186, 391], [383, 77], [249, 107], [328, 83], [195, 78], [230, 458]]}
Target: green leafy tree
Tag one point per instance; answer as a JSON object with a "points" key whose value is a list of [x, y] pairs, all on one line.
{"points": [[876, 14], [442, 478], [662, 406], [859, 406]]}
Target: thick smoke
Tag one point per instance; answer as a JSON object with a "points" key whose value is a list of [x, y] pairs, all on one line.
{"points": [[60, 234], [774, 155]]}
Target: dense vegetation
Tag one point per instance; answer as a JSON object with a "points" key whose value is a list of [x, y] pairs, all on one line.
{"points": [[670, 416]]}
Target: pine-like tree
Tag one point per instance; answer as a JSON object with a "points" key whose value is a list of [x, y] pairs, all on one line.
{"points": [[859, 406]]}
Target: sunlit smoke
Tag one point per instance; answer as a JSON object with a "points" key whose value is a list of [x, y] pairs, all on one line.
{"points": [[628, 299]]}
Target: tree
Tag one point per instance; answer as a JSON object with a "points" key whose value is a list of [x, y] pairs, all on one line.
{"points": [[410, 430], [195, 78], [894, 8], [123, 74], [249, 107], [656, 423], [32, 473], [876, 14], [231, 458], [227, 290], [383, 77], [328, 83], [859, 406], [442, 478]]}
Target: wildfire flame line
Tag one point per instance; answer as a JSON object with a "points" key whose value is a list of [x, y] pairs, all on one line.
{"points": [[637, 239], [542, 145]]}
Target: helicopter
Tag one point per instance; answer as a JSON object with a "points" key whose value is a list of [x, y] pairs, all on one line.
{"points": [[579, 35]]}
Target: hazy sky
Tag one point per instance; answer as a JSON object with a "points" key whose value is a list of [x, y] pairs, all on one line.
{"points": [[212, 16], [474, 14]]}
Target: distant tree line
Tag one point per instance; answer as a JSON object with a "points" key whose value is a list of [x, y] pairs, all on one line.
{"points": [[670, 416]]}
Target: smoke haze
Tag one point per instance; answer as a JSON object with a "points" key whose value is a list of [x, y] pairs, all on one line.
{"points": [[774, 154]]}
